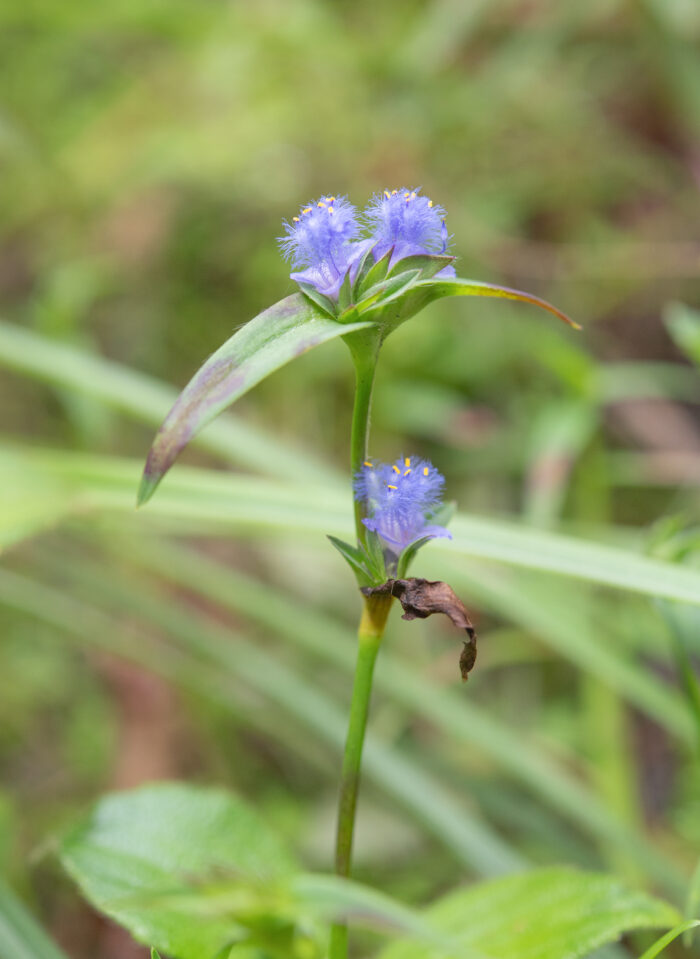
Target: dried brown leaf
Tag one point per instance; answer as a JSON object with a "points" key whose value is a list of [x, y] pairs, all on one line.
{"points": [[421, 598]]}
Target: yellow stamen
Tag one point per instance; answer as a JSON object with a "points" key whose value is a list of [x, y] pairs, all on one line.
{"points": [[367, 463], [394, 192], [387, 194], [396, 469], [331, 199], [407, 461], [307, 210], [413, 195], [430, 202], [407, 196], [320, 203], [296, 219], [388, 486], [425, 471], [406, 472]]}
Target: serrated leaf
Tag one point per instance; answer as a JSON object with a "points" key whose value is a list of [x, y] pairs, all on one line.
{"points": [[149, 857], [279, 334], [554, 913]]}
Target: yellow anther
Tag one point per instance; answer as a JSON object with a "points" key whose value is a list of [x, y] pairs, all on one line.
{"points": [[406, 472], [331, 199], [389, 486], [296, 219], [430, 202], [407, 196], [367, 463], [396, 469], [425, 471], [330, 210], [320, 203], [307, 210], [394, 192], [387, 194], [413, 195], [407, 461]]}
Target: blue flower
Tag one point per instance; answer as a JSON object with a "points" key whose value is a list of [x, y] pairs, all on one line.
{"points": [[401, 499], [410, 224], [321, 241]]}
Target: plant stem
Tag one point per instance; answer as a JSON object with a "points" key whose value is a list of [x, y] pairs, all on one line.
{"points": [[364, 347], [370, 632]]}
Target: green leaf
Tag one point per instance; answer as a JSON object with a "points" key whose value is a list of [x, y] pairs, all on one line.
{"points": [[683, 323], [21, 937], [372, 273], [428, 264], [353, 556], [387, 290], [338, 899], [552, 913], [152, 858], [148, 400], [154, 954], [318, 298], [654, 950], [279, 334], [426, 291]]}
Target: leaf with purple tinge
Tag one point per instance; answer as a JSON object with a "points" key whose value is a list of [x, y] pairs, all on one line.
{"points": [[279, 334], [425, 291]]}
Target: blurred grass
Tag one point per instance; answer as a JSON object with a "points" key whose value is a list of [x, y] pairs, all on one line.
{"points": [[148, 153]]}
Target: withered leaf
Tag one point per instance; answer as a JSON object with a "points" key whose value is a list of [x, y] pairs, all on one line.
{"points": [[421, 598]]}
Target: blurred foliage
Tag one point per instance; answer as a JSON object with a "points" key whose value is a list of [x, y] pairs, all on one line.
{"points": [[148, 152]]}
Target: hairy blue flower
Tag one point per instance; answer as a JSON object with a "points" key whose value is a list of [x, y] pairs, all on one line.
{"points": [[409, 223], [320, 243], [401, 499]]}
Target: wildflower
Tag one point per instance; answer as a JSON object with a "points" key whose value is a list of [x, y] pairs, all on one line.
{"points": [[410, 224], [321, 241], [401, 499]]}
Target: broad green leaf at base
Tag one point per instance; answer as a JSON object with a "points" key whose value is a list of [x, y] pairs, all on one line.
{"points": [[554, 913]]}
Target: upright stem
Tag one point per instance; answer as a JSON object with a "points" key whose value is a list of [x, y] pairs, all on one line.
{"points": [[370, 632], [364, 347]]}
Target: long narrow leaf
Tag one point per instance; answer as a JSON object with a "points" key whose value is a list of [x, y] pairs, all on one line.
{"points": [[200, 500], [286, 330], [148, 400], [21, 937], [468, 838]]}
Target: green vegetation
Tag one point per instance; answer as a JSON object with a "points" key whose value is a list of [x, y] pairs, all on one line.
{"points": [[149, 153]]}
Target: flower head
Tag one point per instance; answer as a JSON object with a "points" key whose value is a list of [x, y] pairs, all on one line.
{"points": [[401, 499], [409, 223], [321, 241]]}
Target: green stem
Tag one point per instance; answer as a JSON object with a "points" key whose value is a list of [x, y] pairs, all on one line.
{"points": [[370, 632], [364, 347]]}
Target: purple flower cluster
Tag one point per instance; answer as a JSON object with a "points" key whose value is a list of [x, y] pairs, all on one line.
{"points": [[409, 224], [325, 242], [400, 500]]}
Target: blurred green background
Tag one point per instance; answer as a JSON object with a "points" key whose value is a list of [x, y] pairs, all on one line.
{"points": [[148, 153]]}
